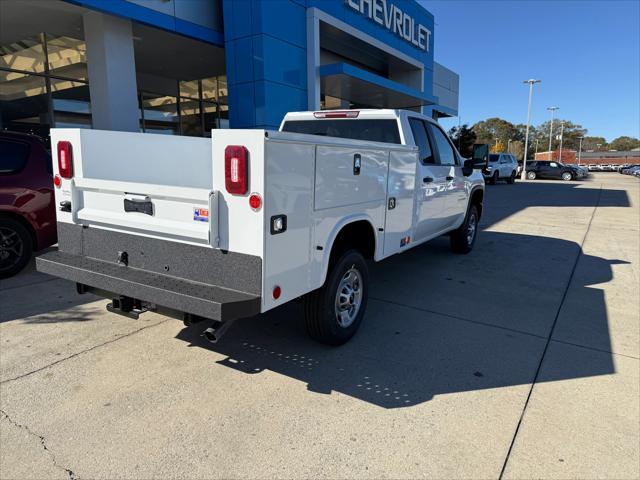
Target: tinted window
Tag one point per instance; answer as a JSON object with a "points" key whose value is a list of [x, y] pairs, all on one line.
{"points": [[13, 156], [421, 140], [369, 130], [447, 157], [493, 157]]}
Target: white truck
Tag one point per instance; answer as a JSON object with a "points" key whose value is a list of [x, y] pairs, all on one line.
{"points": [[238, 224]]}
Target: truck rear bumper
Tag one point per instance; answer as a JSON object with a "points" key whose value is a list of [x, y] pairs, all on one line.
{"points": [[205, 300]]}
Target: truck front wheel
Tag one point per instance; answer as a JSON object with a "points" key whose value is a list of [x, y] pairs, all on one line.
{"points": [[464, 238], [334, 312]]}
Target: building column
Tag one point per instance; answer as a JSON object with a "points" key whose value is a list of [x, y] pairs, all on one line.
{"points": [[112, 72]]}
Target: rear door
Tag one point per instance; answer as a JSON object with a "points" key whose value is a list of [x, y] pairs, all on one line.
{"points": [[431, 185], [455, 203]]}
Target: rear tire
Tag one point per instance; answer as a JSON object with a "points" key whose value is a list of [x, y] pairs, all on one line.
{"points": [[531, 175], [15, 247], [567, 176], [464, 238], [334, 312]]}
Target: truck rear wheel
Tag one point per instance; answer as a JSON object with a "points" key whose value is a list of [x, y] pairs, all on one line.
{"points": [[334, 312], [464, 238]]}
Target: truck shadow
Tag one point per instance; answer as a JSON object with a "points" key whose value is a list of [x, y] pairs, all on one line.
{"points": [[410, 349], [438, 323]]}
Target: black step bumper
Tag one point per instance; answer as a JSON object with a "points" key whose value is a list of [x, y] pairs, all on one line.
{"points": [[205, 300]]}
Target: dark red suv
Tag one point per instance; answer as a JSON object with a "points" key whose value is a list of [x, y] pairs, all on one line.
{"points": [[27, 204]]}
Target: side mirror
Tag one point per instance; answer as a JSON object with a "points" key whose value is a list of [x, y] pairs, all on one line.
{"points": [[479, 159]]}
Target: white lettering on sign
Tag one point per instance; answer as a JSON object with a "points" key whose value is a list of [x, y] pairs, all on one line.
{"points": [[389, 16]]}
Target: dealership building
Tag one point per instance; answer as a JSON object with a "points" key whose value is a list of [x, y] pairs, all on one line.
{"points": [[184, 67]]}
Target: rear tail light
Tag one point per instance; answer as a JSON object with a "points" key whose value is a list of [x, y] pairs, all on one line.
{"points": [[65, 159], [337, 114], [236, 170]]}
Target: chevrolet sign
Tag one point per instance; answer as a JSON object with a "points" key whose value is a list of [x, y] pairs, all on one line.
{"points": [[389, 16]]}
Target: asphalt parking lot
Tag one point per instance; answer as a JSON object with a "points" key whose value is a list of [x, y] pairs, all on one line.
{"points": [[520, 360]]}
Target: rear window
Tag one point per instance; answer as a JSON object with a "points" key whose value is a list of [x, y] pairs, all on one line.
{"points": [[494, 158], [370, 130], [13, 156]]}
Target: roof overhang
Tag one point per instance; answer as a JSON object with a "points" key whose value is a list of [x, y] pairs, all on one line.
{"points": [[345, 81]]}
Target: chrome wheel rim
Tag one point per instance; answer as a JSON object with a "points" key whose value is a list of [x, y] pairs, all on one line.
{"points": [[348, 297], [531, 175], [11, 248], [566, 176], [471, 229]]}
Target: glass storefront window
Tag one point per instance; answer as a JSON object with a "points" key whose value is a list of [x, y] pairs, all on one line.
{"points": [[44, 83], [210, 88], [67, 57], [190, 119], [24, 104], [210, 111], [190, 89], [26, 55], [71, 104], [160, 113]]}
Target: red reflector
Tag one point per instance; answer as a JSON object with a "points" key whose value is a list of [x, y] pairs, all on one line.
{"points": [[255, 201], [337, 114], [276, 292], [235, 169], [57, 181], [65, 159]]}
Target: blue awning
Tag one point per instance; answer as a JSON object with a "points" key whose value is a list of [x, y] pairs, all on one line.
{"points": [[359, 86]]}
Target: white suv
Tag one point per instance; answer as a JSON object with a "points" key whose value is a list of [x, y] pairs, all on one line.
{"points": [[502, 166]]}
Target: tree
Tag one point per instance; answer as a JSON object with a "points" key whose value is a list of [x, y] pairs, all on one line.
{"points": [[517, 149], [492, 129], [591, 143], [463, 138], [624, 143], [571, 133], [497, 147]]}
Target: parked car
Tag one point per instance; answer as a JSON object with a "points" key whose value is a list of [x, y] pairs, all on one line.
{"points": [[551, 170], [502, 166], [582, 170], [238, 224], [629, 169], [27, 211]]}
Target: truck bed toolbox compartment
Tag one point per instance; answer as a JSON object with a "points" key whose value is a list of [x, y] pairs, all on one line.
{"points": [[210, 301]]}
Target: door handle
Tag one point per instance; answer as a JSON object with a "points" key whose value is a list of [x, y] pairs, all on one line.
{"points": [[427, 180], [449, 178], [357, 164]]}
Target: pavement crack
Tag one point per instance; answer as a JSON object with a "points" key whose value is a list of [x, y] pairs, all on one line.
{"points": [[82, 352], [43, 444], [550, 336]]}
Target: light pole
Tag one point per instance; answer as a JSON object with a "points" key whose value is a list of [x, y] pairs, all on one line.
{"points": [[509, 146], [553, 110], [531, 81], [561, 137], [580, 150], [537, 140]]}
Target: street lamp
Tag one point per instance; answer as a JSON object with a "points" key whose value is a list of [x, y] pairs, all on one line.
{"points": [[531, 81], [580, 149], [553, 110], [561, 138]]}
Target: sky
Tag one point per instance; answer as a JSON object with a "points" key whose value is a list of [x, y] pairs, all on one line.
{"points": [[586, 53]]}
